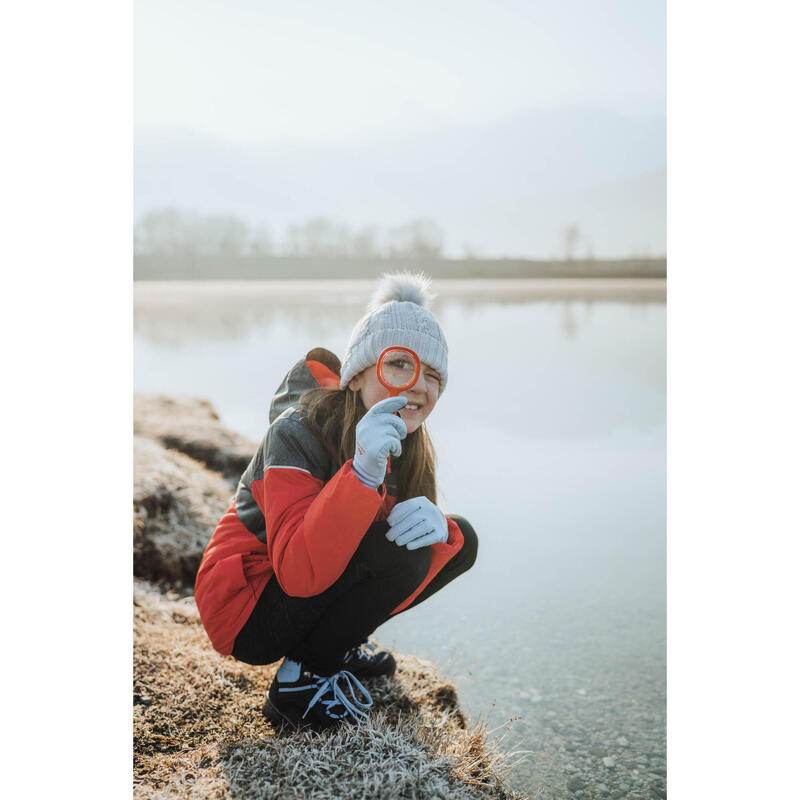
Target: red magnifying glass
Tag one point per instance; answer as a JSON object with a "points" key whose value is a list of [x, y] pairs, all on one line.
{"points": [[398, 369]]}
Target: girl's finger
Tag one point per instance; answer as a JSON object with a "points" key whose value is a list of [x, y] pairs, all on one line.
{"points": [[415, 532], [388, 405], [402, 509], [390, 443], [397, 425], [390, 432], [409, 524], [423, 541]]}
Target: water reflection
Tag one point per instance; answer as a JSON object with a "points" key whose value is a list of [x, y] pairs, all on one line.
{"points": [[230, 309]]}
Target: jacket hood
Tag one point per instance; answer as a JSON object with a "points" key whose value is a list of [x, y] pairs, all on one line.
{"points": [[319, 367]]}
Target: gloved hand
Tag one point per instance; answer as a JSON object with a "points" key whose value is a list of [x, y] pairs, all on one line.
{"points": [[378, 433], [416, 523]]}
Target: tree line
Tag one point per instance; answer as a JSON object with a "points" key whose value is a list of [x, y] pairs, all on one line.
{"points": [[174, 232]]}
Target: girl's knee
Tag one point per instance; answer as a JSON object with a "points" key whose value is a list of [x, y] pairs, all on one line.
{"points": [[469, 552], [380, 556]]}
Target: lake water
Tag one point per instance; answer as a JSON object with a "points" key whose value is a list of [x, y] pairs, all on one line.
{"points": [[551, 441]]}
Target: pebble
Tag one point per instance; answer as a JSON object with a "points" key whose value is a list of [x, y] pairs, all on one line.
{"points": [[599, 750], [610, 762], [575, 783], [622, 741], [659, 771]]}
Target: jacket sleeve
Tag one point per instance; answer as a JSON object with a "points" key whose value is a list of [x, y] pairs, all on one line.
{"points": [[312, 528]]}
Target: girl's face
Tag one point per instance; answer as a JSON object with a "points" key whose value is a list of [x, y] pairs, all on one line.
{"points": [[423, 394]]}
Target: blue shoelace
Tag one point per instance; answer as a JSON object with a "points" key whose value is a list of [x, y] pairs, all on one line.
{"points": [[358, 652], [324, 685]]}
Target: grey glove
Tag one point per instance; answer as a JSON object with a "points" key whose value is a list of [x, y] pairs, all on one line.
{"points": [[416, 523], [377, 434]]}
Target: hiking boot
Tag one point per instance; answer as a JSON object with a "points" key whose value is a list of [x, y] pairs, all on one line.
{"points": [[367, 661], [300, 697]]}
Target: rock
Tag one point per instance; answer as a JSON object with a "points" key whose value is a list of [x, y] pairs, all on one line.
{"points": [[575, 783], [622, 741], [192, 426], [180, 448], [610, 762], [598, 750], [177, 503]]}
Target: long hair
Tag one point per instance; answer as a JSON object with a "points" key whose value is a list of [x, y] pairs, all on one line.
{"points": [[333, 414]]}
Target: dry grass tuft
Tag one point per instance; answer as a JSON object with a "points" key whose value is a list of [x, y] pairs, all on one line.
{"points": [[199, 733], [177, 502]]}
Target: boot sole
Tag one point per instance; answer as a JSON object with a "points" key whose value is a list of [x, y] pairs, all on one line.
{"points": [[278, 718], [296, 722]]}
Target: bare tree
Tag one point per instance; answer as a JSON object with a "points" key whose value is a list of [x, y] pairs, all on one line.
{"points": [[165, 232], [221, 236], [318, 237], [364, 243], [261, 242], [572, 235], [418, 238], [180, 233]]}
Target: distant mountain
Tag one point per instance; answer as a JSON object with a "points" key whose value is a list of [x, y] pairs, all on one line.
{"points": [[509, 188]]}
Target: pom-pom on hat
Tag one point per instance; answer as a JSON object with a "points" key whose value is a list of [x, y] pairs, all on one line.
{"points": [[397, 314]]}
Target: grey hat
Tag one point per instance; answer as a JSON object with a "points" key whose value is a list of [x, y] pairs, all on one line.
{"points": [[398, 315]]}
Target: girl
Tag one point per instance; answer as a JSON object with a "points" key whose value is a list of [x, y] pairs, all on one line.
{"points": [[321, 545]]}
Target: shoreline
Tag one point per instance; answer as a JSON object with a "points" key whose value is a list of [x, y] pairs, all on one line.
{"points": [[155, 294], [194, 267]]}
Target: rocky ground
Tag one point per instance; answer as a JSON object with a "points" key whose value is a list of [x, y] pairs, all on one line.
{"points": [[198, 731], [599, 735]]}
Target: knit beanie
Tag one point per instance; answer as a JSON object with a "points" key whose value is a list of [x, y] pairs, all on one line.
{"points": [[397, 315]]}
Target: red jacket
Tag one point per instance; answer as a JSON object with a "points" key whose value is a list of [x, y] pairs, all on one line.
{"points": [[293, 517]]}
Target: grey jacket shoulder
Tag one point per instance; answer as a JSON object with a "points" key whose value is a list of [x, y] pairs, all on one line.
{"points": [[290, 442]]}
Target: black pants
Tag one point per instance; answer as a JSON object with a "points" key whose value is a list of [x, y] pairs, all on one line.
{"points": [[319, 630]]}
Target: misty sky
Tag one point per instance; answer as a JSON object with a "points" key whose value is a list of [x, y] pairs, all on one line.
{"points": [[249, 80], [249, 69]]}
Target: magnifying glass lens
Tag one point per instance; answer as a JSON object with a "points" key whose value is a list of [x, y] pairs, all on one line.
{"points": [[398, 368]]}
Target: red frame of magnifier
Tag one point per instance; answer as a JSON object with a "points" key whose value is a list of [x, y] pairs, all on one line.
{"points": [[395, 390]]}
